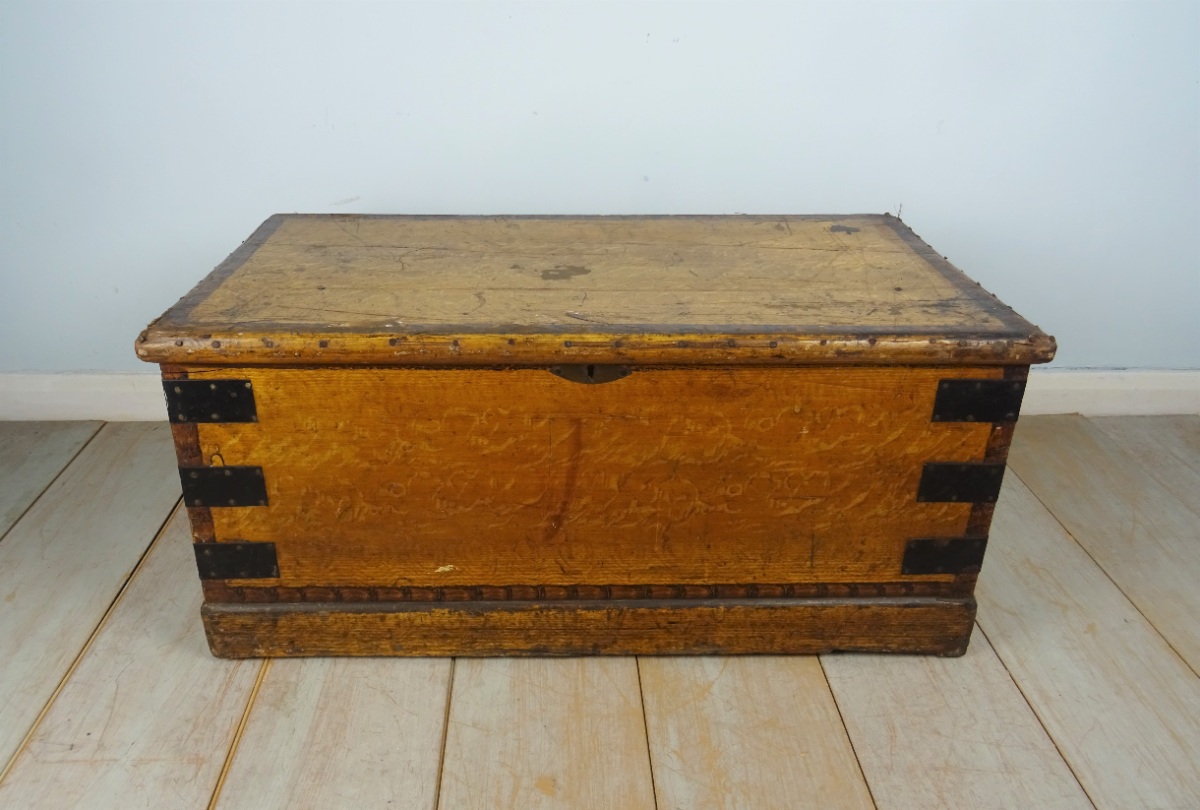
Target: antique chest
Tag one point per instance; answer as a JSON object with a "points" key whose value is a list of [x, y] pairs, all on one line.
{"points": [[406, 435]]}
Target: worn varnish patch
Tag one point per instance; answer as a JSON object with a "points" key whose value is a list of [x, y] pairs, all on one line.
{"points": [[404, 290]]}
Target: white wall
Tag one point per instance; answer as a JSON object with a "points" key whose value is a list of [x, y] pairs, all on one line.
{"points": [[1051, 150]]}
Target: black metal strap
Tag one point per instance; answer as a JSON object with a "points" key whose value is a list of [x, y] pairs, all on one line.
{"points": [[223, 486], [236, 560]]}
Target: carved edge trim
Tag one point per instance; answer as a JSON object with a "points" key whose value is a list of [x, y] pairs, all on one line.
{"points": [[223, 591]]}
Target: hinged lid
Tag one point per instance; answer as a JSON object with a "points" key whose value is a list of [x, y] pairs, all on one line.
{"points": [[404, 290]]}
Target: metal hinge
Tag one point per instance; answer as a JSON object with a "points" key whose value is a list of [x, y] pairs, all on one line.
{"points": [[952, 482], [210, 401], [223, 486], [236, 560], [943, 555], [978, 400]]}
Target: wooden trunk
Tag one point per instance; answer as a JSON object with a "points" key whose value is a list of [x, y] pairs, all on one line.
{"points": [[557, 436]]}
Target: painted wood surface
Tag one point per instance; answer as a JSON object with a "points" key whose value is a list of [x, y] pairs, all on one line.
{"points": [[410, 477], [437, 289], [147, 716], [62, 565], [1168, 448], [32, 454], [1118, 702], [1143, 537], [342, 733], [527, 734], [935, 732], [747, 732]]}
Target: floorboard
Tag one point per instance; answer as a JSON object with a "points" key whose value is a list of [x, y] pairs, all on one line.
{"points": [[949, 732], [1075, 691], [1168, 448], [147, 716], [1121, 706], [32, 454], [1143, 537], [329, 733], [527, 733], [747, 732], [64, 562]]}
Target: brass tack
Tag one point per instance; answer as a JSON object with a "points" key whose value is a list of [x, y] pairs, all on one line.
{"points": [[194, 474], [228, 472], [178, 390], [212, 386], [232, 502]]}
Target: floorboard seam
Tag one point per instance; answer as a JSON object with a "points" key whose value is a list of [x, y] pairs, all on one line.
{"points": [[53, 480], [1108, 576], [437, 789], [87, 645], [846, 730], [237, 734], [637, 663], [1037, 716]]}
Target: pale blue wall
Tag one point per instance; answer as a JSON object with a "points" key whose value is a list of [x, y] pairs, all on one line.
{"points": [[1051, 150]]}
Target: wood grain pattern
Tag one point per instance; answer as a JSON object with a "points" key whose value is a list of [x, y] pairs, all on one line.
{"points": [[336, 289], [1121, 706], [757, 732], [1167, 447], [67, 558], [147, 716], [1144, 537], [931, 732], [938, 626], [430, 478], [531, 734], [308, 715], [31, 455]]}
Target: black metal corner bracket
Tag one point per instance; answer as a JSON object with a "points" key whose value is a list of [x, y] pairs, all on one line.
{"points": [[237, 560], [943, 555], [978, 400], [223, 486], [954, 482], [210, 401]]}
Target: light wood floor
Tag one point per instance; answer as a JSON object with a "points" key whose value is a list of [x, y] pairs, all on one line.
{"points": [[1080, 688]]}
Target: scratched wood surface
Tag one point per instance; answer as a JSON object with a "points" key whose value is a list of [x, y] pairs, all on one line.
{"points": [[31, 455], [359, 288], [937, 732], [401, 477], [389, 714], [526, 734], [1146, 539], [1119, 703], [148, 715], [747, 732], [63, 563]]}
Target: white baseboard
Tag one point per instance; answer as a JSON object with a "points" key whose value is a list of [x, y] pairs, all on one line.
{"points": [[113, 397], [131, 397], [1112, 393]]}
